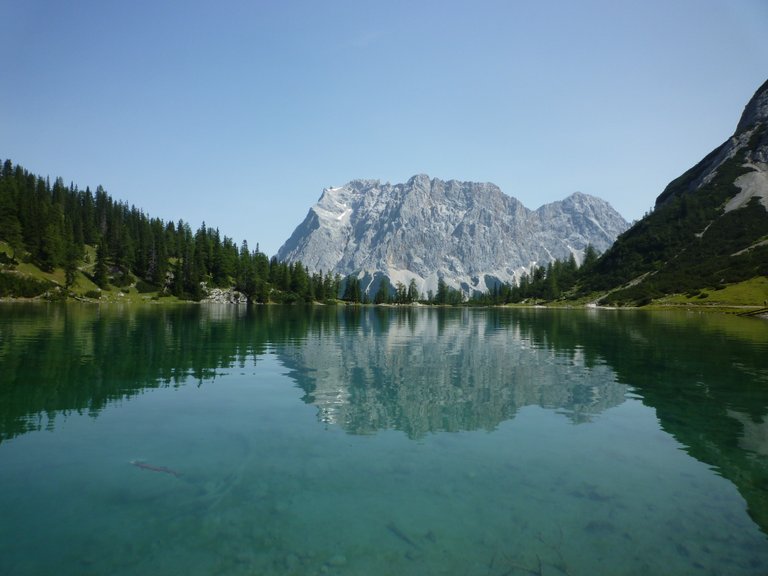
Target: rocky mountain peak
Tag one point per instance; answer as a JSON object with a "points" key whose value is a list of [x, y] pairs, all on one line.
{"points": [[469, 234], [756, 110], [748, 147]]}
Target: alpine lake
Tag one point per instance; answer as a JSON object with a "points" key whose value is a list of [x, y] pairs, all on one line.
{"points": [[226, 440]]}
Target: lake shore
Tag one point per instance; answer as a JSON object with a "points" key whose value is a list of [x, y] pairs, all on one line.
{"points": [[746, 310]]}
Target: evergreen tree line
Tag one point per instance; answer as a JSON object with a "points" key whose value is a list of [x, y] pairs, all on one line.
{"points": [[51, 226], [547, 283], [385, 294], [400, 294], [556, 280]]}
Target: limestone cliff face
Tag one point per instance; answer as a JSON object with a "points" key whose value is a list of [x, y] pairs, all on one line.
{"points": [[467, 233]]}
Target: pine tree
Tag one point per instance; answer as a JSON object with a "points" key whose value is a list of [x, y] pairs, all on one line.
{"points": [[158, 265], [318, 286], [551, 288], [334, 285], [442, 292], [401, 292], [100, 270], [88, 208], [261, 264], [590, 257], [71, 258], [413, 291], [262, 292], [49, 255], [382, 294], [299, 281], [352, 292], [10, 226]]}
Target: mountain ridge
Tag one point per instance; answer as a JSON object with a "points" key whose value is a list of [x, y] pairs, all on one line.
{"points": [[470, 235]]}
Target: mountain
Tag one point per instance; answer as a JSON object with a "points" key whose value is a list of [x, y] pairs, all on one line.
{"points": [[470, 235], [708, 228]]}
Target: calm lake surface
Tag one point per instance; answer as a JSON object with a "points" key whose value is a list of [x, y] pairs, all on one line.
{"points": [[208, 440]]}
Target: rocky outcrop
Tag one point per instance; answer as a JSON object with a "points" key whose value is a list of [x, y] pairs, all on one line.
{"points": [[756, 110], [469, 234], [223, 296]]}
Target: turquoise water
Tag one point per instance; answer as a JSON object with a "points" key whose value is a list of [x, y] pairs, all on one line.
{"points": [[223, 440]]}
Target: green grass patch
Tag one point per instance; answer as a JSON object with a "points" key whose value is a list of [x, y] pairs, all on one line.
{"points": [[753, 292], [83, 284], [56, 276]]}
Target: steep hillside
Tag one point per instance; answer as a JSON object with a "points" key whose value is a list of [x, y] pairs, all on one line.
{"points": [[709, 227]]}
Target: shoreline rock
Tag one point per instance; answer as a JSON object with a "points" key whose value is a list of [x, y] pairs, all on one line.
{"points": [[224, 296]]}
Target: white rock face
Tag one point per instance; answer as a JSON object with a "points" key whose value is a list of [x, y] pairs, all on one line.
{"points": [[753, 185], [223, 296], [469, 234]]}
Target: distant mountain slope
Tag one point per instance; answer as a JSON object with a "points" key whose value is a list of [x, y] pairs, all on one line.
{"points": [[709, 227], [468, 234]]}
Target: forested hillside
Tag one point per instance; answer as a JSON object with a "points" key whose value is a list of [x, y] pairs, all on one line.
{"points": [[94, 243], [709, 227]]}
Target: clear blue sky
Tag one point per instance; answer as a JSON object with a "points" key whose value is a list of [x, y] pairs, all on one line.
{"points": [[239, 113]]}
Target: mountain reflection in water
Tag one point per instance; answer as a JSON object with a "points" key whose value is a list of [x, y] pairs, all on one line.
{"points": [[467, 371], [417, 370]]}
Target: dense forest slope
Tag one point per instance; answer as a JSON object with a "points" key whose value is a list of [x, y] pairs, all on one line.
{"points": [[60, 241], [708, 228]]}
